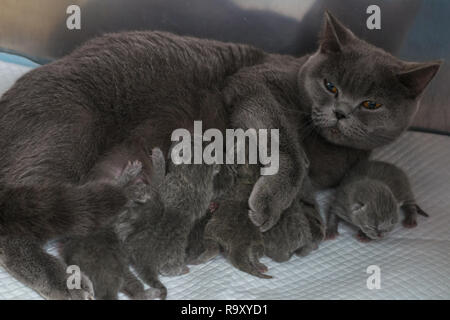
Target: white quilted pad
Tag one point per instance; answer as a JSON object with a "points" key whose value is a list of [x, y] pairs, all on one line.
{"points": [[414, 264]]}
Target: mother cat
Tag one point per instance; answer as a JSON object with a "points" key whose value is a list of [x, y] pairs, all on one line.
{"points": [[133, 89]]}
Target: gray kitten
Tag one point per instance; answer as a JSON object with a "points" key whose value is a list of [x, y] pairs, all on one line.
{"points": [[101, 255], [298, 231], [102, 258], [369, 197], [155, 228]]}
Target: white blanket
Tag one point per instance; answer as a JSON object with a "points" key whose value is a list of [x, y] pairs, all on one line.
{"points": [[414, 264]]}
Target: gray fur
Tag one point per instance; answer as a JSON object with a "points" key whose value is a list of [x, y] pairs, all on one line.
{"points": [[155, 233], [299, 230], [369, 197], [134, 89], [324, 135], [56, 121], [102, 256]]}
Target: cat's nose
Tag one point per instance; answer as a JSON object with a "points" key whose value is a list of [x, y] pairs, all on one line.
{"points": [[340, 114]]}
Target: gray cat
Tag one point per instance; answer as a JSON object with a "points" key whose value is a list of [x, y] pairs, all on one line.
{"points": [[332, 108], [369, 197]]}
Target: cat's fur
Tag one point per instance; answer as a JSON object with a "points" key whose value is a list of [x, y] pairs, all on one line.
{"points": [[369, 197], [323, 134], [58, 119]]}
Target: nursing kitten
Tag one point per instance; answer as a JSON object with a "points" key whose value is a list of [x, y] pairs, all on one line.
{"points": [[155, 231], [369, 197], [101, 255], [298, 231], [103, 260]]}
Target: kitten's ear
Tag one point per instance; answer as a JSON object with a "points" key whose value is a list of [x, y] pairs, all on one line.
{"points": [[334, 35], [416, 76]]}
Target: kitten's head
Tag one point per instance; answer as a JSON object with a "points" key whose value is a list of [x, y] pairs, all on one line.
{"points": [[179, 156], [373, 208], [360, 96]]}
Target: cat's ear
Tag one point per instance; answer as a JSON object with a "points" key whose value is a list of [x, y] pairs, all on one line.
{"points": [[416, 76], [334, 35]]}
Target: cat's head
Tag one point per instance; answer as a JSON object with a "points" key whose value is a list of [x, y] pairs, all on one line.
{"points": [[373, 208], [360, 96]]}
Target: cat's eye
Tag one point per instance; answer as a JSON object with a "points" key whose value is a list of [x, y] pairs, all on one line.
{"points": [[371, 105], [330, 86]]}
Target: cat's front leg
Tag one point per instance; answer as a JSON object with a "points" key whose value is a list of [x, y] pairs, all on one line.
{"points": [[272, 194], [28, 262]]}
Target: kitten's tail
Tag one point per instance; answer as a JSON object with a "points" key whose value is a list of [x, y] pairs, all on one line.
{"points": [[58, 210]]}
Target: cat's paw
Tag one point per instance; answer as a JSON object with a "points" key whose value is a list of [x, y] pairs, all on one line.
{"points": [[262, 212]]}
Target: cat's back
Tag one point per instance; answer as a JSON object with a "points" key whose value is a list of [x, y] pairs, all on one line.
{"points": [[128, 67]]}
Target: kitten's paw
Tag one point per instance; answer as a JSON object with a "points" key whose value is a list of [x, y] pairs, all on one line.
{"points": [[331, 234], [361, 237], [213, 206], [86, 291], [171, 270], [409, 222], [150, 294], [303, 252], [247, 260], [130, 172]]}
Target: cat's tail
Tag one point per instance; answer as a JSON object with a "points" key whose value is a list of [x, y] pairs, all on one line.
{"points": [[58, 210]]}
